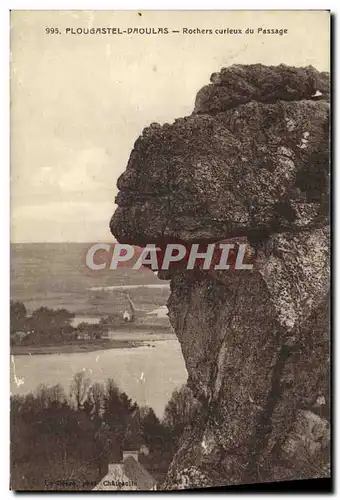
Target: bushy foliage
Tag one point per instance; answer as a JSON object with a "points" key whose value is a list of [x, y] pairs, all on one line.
{"points": [[180, 412], [72, 438]]}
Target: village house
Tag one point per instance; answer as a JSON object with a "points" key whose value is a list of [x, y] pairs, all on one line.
{"points": [[128, 475]]}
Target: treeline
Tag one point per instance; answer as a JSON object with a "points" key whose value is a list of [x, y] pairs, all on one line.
{"points": [[59, 437], [47, 326], [43, 326]]}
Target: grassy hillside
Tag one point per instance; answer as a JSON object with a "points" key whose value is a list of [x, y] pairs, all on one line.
{"points": [[55, 275]]}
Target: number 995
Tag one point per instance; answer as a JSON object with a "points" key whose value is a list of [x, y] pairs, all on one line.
{"points": [[52, 31]]}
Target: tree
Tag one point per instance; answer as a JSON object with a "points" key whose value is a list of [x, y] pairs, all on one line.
{"points": [[79, 388], [52, 441], [95, 400], [159, 441], [155, 433], [118, 410], [18, 314], [180, 411], [51, 324], [111, 321], [94, 331], [56, 437], [50, 396]]}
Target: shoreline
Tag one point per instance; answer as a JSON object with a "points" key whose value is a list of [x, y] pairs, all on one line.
{"points": [[91, 346], [73, 348]]}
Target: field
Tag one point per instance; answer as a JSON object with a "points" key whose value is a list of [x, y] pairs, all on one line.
{"points": [[55, 275]]}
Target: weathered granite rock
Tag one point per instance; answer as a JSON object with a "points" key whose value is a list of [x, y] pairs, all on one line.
{"points": [[252, 161], [240, 84], [258, 167]]}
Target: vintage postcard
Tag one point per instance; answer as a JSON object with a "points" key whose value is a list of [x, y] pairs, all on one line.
{"points": [[169, 250]]}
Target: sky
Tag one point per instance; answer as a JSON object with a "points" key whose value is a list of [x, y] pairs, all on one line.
{"points": [[79, 102]]}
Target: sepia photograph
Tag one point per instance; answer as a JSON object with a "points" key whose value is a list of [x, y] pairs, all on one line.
{"points": [[170, 250]]}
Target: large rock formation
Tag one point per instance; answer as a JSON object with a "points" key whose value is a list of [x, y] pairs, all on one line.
{"points": [[251, 161]]}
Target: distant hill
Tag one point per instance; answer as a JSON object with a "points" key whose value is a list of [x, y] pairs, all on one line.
{"points": [[56, 275]]}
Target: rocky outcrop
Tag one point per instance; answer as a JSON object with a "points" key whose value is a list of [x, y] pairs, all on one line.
{"points": [[251, 162], [241, 84]]}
